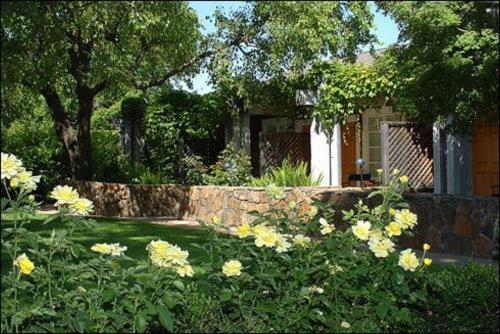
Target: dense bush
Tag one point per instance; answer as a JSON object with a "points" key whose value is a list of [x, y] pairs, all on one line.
{"points": [[290, 270], [110, 163], [35, 141], [233, 167], [193, 171], [144, 175], [287, 175], [173, 118]]}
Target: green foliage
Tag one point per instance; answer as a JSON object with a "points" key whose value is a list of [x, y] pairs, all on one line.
{"points": [[174, 117], [329, 283], [287, 175], [446, 62], [232, 168], [349, 89], [465, 299], [193, 171], [110, 162], [133, 109], [34, 141], [144, 175]]}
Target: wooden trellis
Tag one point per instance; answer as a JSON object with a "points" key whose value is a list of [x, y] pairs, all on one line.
{"points": [[275, 147], [409, 149]]}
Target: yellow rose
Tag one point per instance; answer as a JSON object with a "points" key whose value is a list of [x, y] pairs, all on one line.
{"points": [[232, 268], [403, 179], [259, 229], [101, 248], [408, 260], [313, 211], [392, 212], [244, 231], [405, 218], [10, 166], [325, 227], [25, 179], [185, 270], [275, 191], [345, 324], [267, 238], [380, 171], [64, 195], [292, 205], [362, 230], [24, 264], [427, 261], [282, 245], [395, 171], [381, 247], [301, 240], [216, 220], [81, 206], [176, 256], [426, 247], [393, 229]]}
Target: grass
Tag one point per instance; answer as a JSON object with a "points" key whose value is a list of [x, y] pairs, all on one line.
{"points": [[131, 233]]}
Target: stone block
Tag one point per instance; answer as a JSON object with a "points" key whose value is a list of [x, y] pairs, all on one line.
{"points": [[463, 226]]}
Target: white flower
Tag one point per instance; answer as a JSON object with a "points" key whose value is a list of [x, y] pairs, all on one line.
{"points": [[10, 166], [381, 247], [282, 245], [325, 227], [116, 249], [362, 229], [81, 206], [25, 179], [408, 260], [345, 324], [301, 240], [64, 195]]}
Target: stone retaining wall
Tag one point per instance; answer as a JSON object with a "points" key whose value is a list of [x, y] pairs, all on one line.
{"points": [[457, 225]]}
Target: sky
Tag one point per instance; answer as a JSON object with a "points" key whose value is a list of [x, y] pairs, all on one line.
{"points": [[385, 30]]}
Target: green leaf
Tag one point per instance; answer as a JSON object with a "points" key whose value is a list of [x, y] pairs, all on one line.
{"points": [[140, 323], [226, 295], [166, 319], [381, 309], [4, 202], [179, 285]]}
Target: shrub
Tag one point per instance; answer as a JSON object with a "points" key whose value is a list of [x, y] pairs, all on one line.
{"points": [[232, 168], [193, 171], [144, 175], [110, 164], [287, 175], [36, 143], [290, 270]]}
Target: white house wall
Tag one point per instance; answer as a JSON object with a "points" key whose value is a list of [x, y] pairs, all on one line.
{"points": [[326, 155]]}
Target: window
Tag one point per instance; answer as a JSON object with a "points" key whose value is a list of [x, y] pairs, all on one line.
{"points": [[373, 140]]}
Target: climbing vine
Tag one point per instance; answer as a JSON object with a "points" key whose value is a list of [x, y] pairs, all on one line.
{"points": [[349, 89]]}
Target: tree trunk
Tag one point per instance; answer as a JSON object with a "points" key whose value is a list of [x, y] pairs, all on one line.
{"points": [[76, 142]]}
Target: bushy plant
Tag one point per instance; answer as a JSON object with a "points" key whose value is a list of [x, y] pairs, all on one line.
{"points": [[35, 142], [289, 174], [110, 163], [193, 171], [289, 270], [232, 168], [144, 175]]}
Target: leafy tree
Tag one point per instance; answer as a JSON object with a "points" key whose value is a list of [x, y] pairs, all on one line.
{"points": [[73, 52], [280, 41], [446, 61]]}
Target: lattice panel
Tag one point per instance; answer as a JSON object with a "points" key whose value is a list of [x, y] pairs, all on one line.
{"points": [[275, 147], [409, 149]]}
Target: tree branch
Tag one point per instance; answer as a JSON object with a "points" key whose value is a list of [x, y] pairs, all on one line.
{"points": [[159, 81], [56, 108]]}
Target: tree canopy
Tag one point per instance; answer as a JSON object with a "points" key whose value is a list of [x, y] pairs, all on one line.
{"points": [[446, 60]]}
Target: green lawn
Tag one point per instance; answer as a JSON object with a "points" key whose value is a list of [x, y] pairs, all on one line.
{"points": [[132, 233]]}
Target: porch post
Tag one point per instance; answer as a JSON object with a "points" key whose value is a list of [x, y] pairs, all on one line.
{"points": [[439, 158], [458, 163], [326, 154]]}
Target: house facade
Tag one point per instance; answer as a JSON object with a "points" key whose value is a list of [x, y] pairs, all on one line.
{"points": [[444, 163]]}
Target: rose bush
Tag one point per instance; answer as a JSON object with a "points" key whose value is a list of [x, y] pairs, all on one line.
{"points": [[289, 270]]}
